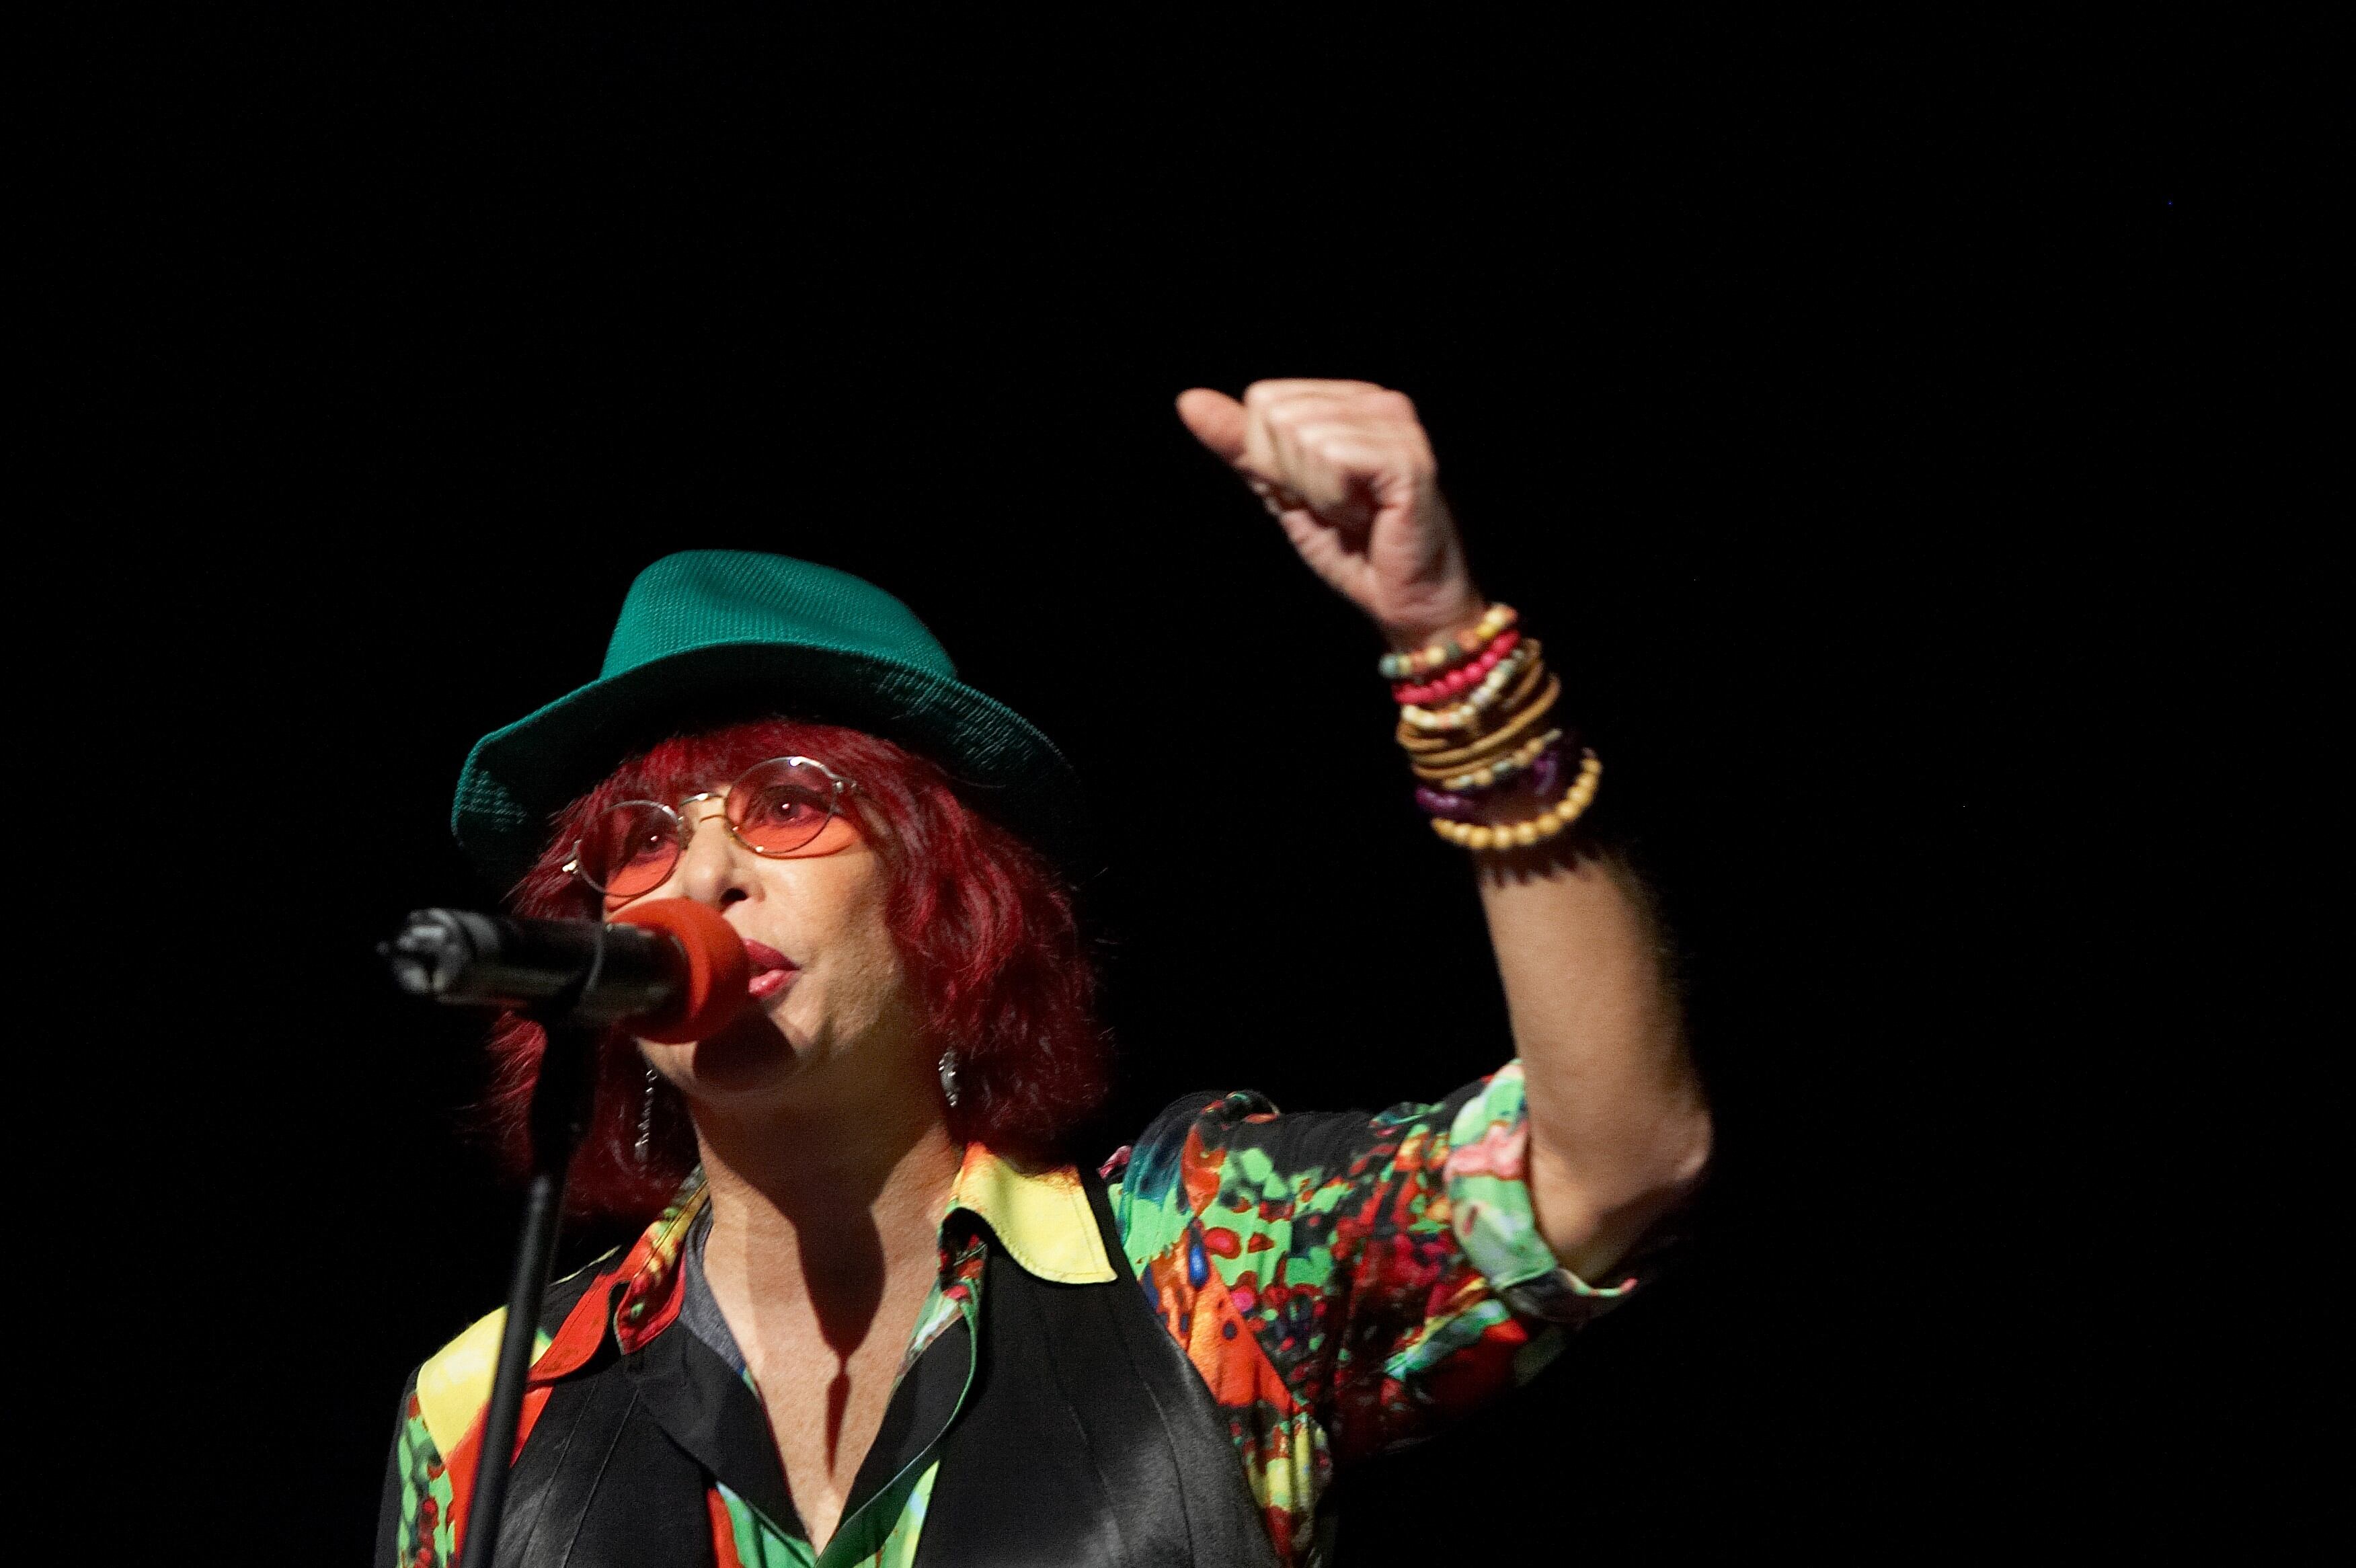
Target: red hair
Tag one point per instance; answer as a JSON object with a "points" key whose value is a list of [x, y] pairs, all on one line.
{"points": [[982, 922]]}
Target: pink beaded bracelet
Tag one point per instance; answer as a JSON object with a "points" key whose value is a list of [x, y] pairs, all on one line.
{"points": [[1480, 700], [1459, 678]]}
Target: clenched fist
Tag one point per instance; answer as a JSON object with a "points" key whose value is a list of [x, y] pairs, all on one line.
{"points": [[1346, 469]]}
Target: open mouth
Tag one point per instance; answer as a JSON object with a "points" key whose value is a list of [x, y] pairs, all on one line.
{"points": [[772, 970]]}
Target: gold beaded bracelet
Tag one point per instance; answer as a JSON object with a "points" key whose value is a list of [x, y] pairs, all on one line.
{"points": [[1443, 751], [1423, 745], [1547, 824], [1504, 767]]}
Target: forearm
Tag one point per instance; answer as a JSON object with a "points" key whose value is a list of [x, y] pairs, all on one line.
{"points": [[1619, 1131]]}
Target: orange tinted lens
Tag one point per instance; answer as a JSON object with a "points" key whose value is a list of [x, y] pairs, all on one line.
{"points": [[630, 849], [780, 806]]}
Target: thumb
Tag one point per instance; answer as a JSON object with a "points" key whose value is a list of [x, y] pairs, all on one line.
{"points": [[1216, 420]]}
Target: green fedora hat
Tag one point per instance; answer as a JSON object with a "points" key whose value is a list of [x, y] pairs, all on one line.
{"points": [[714, 636]]}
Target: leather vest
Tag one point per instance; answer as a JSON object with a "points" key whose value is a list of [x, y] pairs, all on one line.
{"points": [[1086, 1437]]}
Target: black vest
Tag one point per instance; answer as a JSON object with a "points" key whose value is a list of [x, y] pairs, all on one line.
{"points": [[1087, 1438]]}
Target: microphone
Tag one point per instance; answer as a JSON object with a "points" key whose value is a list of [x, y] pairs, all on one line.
{"points": [[673, 970]]}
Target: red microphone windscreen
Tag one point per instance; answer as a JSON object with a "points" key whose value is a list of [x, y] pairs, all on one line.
{"points": [[717, 970]]}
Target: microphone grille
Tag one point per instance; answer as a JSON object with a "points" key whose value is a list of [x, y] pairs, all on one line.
{"points": [[715, 976]]}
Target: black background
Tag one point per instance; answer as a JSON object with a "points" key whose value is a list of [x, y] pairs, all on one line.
{"points": [[1871, 423]]}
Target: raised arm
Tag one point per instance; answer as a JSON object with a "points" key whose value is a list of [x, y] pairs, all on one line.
{"points": [[1619, 1131]]}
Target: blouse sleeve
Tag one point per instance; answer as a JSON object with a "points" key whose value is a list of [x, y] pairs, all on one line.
{"points": [[412, 1527], [1376, 1275]]}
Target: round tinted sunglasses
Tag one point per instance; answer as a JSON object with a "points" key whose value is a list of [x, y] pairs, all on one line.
{"points": [[774, 809]]}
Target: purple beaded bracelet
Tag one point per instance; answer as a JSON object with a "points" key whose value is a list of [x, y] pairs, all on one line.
{"points": [[1543, 774], [1456, 808]]}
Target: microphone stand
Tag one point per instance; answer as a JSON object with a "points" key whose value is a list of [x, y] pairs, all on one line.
{"points": [[560, 1105], [477, 960]]}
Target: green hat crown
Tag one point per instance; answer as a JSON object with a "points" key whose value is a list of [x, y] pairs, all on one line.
{"points": [[700, 598], [708, 637]]}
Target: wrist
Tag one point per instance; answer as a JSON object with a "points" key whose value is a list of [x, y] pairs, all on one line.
{"points": [[1450, 610], [1475, 706]]}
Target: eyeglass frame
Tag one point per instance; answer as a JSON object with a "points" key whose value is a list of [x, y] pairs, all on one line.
{"points": [[683, 827]]}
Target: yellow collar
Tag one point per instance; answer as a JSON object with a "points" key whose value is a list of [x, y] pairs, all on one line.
{"points": [[1041, 1217]]}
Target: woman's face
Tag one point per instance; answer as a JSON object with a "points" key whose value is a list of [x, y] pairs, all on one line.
{"points": [[833, 1016]]}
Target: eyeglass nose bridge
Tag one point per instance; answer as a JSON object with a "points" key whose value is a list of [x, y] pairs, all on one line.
{"points": [[682, 825]]}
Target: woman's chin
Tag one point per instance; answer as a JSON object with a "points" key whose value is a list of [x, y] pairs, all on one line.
{"points": [[752, 1054]]}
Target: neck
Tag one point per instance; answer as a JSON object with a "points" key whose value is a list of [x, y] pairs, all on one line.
{"points": [[818, 1204]]}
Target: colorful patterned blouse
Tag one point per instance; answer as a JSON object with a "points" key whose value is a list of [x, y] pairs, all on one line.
{"points": [[1344, 1284]]}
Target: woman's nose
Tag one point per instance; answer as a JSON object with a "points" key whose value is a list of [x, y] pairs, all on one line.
{"points": [[712, 866]]}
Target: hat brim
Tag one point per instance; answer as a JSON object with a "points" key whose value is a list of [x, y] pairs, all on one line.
{"points": [[517, 778]]}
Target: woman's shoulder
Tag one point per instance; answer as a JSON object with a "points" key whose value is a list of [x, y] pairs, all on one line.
{"points": [[451, 1386], [1234, 1149], [1210, 1129]]}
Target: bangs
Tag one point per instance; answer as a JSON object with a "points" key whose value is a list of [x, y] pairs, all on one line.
{"points": [[691, 764]]}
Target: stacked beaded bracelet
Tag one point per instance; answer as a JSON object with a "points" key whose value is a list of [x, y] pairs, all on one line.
{"points": [[1459, 678], [1456, 649], [1472, 720], [1444, 751], [1522, 662], [1466, 802], [1538, 829], [1490, 775]]}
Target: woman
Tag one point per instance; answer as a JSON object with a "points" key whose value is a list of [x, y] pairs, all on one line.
{"points": [[879, 1318]]}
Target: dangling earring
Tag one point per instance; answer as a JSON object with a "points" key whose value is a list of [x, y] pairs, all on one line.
{"points": [[949, 1077], [644, 1148]]}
